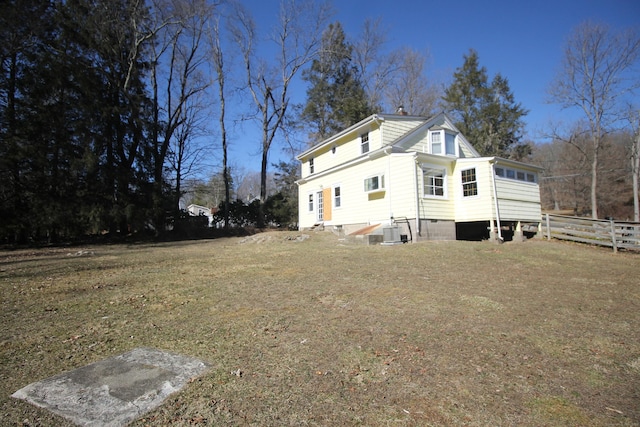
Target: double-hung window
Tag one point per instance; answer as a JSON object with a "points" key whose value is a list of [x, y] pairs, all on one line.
{"points": [[364, 143], [337, 197], [310, 202], [311, 165], [450, 144], [436, 142], [434, 182], [469, 183]]}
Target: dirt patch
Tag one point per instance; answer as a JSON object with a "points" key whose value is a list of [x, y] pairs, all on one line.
{"points": [[320, 332]]}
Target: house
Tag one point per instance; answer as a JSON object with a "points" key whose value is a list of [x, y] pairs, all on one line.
{"points": [[419, 176], [197, 210]]}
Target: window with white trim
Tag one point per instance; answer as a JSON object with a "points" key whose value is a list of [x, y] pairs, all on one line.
{"points": [[442, 142], [311, 165], [374, 183], [450, 144], [310, 202], [364, 143], [469, 183], [436, 142], [337, 196], [434, 181]]}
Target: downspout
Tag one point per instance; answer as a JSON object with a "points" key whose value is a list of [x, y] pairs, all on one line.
{"points": [[387, 151], [495, 199], [415, 179]]}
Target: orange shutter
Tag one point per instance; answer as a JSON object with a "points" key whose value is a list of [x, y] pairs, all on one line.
{"points": [[326, 203]]}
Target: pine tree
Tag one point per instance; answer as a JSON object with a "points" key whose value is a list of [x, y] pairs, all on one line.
{"points": [[486, 113], [336, 98]]}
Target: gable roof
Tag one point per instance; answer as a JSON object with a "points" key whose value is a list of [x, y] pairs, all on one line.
{"points": [[356, 128]]}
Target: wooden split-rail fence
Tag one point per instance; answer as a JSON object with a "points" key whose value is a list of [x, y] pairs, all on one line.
{"points": [[614, 234]]}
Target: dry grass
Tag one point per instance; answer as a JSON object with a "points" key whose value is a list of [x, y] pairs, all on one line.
{"points": [[323, 332]]}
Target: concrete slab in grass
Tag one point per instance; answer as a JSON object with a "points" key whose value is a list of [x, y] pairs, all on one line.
{"points": [[115, 391]]}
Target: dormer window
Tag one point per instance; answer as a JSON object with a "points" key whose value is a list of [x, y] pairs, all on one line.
{"points": [[442, 142], [364, 143], [436, 142]]}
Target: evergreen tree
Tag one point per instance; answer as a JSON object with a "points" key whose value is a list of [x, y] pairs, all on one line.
{"points": [[336, 98], [486, 113], [73, 118]]}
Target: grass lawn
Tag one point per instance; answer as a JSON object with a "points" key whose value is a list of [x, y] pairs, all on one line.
{"points": [[326, 332]]}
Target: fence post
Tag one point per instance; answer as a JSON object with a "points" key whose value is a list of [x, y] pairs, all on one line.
{"points": [[548, 227], [613, 236]]}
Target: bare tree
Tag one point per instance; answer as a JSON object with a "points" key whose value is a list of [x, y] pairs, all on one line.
{"points": [[564, 181], [218, 60], [377, 69], [268, 78], [595, 76], [409, 86], [178, 79], [396, 78], [633, 147]]}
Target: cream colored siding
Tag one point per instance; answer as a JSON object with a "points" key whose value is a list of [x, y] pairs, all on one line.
{"points": [[518, 201], [419, 142], [356, 205], [436, 207], [346, 149], [464, 151], [402, 185], [394, 129], [339, 161]]}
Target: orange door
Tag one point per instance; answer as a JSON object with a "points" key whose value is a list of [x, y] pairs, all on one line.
{"points": [[326, 203]]}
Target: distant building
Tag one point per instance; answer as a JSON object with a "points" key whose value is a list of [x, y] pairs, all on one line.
{"points": [[197, 210]]}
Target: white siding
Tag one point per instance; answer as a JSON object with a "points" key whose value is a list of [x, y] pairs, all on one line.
{"points": [[474, 208]]}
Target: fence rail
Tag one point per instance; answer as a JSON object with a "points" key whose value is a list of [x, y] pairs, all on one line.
{"points": [[614, 234]]}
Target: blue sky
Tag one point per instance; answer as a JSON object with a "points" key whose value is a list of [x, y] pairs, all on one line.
{"points": [[521, 39]]}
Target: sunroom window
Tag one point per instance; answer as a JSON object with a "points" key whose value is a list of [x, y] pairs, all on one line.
{"points": [[516, 174]]}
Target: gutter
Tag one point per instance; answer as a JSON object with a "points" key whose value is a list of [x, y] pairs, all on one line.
{"points": [[356, 127]]}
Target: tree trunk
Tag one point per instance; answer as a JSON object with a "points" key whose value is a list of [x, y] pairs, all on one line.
{"points": [[635, 167], [594, 183]]}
